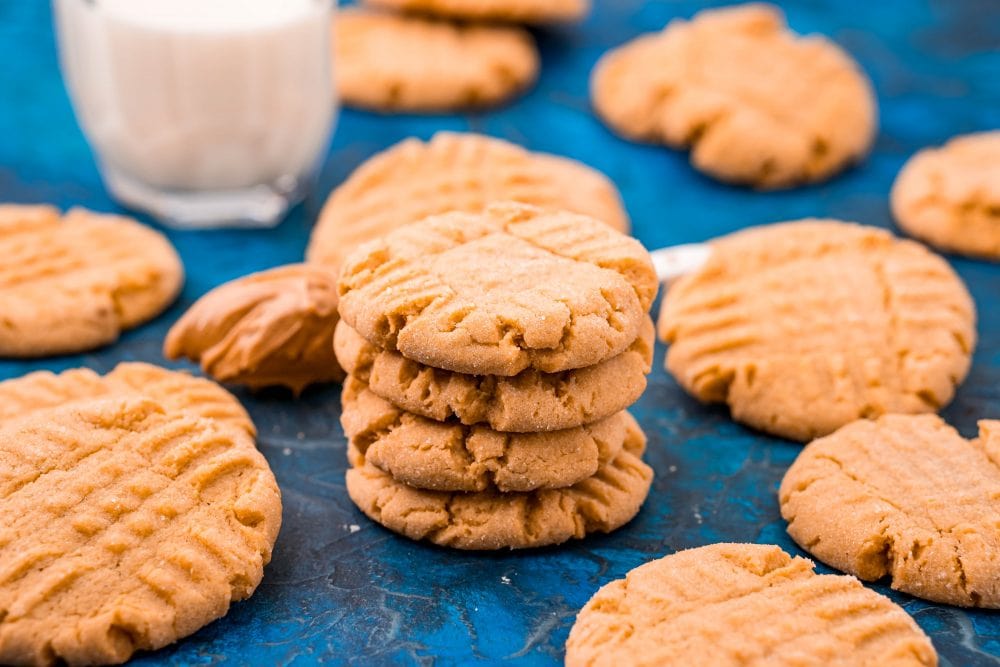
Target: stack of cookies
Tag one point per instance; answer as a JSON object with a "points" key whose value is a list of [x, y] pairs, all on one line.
{"points": [[491, 357]]}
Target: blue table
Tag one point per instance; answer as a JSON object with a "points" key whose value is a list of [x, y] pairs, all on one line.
{"points": [[342, 589]]}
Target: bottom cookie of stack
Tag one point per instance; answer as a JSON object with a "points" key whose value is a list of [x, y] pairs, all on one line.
{"points": [[492, 519]]}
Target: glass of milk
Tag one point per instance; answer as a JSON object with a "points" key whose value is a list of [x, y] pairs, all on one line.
{"points": [[205, 113]]}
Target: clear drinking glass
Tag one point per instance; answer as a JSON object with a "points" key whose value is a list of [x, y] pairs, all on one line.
{"points": [[205, 113]]}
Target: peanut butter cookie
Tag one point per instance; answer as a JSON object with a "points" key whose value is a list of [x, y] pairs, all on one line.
{"points": [[742, 604], [904, 496], [390, 62], [454, 172], [73, 283], [491, 520], [756, 103], [950, 196], [495, 293], [520, 11], [125, 526], [173, 389], [527, 402], [438, 456], [803, 327], [270, 328]]}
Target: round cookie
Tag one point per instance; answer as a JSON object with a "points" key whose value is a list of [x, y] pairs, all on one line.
{"points": [[756, 103], [528, 402], [742, 604], [520, 11], [805, 326], [174, 390], [950, 196], [871, 500], [492, 520], [389, 62], [126, 526], [438, 456], [496, 293], [74, 283], [269, 328], [454, 172]]}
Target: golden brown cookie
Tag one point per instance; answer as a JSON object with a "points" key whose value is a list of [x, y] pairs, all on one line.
{"points": [[124, 526], [439, 456], [742, 604], [174, 390], [520, 11], [756, 103], [390, 62], [491, 520], [527, 402], [904, 496], [803, 327], [454, 172], [73, 283], [950, 196], [495, 293], [269, 328]]}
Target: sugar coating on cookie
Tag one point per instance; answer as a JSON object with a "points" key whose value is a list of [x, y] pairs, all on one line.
{"points": [[756, 103], [527, 402], [269, 328], [175, 390], [492, 520], [495, 293], [803, 327], [950, 196], [742, 604], [75, 282], [905, 496], [520, 11], [389, 62], [126, 527], [447, 456], [454, 172]]}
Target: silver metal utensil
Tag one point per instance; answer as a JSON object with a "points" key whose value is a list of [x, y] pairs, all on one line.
{"points": [[673, 262]]}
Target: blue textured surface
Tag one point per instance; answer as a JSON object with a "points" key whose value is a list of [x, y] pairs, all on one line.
{"points": [[369, 597]]}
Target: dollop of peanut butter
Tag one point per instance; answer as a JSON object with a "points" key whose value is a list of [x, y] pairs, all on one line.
{"points": [[269, 328]]}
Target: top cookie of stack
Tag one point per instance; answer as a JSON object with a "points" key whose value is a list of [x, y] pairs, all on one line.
{"points": [[491, 358]]}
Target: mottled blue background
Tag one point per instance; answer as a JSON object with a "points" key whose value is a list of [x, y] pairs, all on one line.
{"points": [[365, 596]]}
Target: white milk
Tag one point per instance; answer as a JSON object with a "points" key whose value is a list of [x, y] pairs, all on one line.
{"points": [[200, 95]]}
